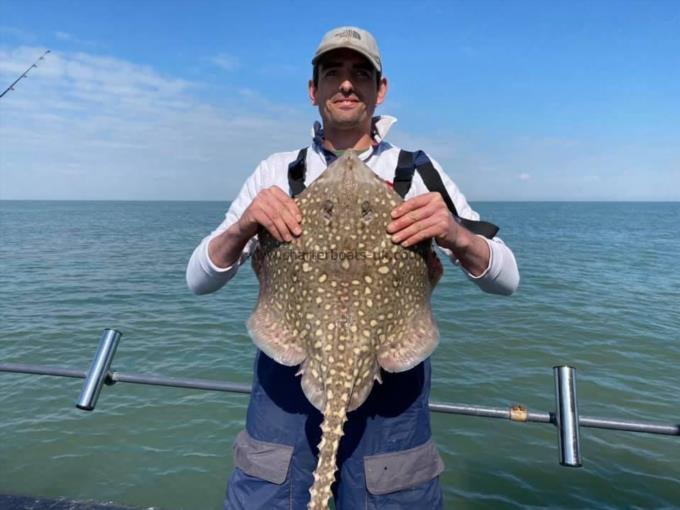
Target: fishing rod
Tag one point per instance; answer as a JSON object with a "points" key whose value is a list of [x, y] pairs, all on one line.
{"points": [[25, 73]]}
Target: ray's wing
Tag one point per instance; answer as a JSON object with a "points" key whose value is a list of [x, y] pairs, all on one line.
{"points": [[411, 333], [274, 326], [406, 348]]}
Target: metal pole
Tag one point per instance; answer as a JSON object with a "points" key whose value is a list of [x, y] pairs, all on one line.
{"points": [[629, 426], [503, 413], [99, 370], [566, 416], [24, 368], [198, 384]]}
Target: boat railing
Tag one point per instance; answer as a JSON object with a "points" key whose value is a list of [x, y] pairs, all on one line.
{"points": [[565, 417]]}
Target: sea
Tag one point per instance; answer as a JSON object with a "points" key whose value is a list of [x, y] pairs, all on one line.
{"points": [[599, 291]]}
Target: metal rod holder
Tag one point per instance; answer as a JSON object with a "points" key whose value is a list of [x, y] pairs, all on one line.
{"points": [[99, 370], [566, 417]]}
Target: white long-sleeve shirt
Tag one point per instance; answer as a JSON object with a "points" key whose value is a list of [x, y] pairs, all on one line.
{"points": [[203, 276]]}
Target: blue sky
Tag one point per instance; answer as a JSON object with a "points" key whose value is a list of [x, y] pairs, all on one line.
{"points": [[180, 100]]}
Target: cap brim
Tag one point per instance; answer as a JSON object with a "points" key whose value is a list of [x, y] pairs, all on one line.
{"points": [[363, 53]]}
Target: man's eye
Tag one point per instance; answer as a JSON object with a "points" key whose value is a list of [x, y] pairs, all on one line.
{"points": [[363, 74]]}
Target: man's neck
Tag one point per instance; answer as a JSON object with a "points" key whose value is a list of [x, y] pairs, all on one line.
{"points": [[343, 140]]}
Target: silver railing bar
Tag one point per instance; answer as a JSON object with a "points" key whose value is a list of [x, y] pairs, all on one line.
{"points": [[114, 377], [506, 413], [629, 426], [503, 413], [198, 384], [24, 368]]}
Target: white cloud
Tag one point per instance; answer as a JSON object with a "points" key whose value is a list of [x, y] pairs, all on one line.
{"points": [[90, 126], [70, 38], [552, 168], [225, 61]]}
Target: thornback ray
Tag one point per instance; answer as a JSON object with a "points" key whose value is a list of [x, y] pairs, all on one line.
{"points": [[343, 301]]}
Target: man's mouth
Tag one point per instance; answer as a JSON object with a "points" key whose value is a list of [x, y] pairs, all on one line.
{"points": [[346, 102]]}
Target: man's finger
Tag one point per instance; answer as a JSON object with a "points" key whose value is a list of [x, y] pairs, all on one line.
{"points": [[282, 228], [289, 222], [264, 216], [420, 235], [276, 217], [413, 230], [411, 217], [413, 203], [282, 209], [287, 202]]}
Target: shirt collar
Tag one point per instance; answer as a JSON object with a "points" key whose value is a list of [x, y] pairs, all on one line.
{"points": [[381, 125]]}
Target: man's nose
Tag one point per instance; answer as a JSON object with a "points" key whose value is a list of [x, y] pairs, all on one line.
{"points": [[346, 86]]}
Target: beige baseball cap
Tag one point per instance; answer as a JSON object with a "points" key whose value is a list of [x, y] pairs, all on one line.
{"points": [[353, 38]]}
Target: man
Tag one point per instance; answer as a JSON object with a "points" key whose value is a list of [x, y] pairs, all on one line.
{"points": [[387, 458]]}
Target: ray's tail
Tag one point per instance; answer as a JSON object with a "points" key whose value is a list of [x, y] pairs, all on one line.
{"points": [[335, 415]]}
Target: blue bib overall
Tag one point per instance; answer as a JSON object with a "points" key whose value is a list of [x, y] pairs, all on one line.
{"points": [[386, 458]]}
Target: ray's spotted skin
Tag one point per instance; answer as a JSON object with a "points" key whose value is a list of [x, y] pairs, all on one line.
{"points": [[343, 301]]}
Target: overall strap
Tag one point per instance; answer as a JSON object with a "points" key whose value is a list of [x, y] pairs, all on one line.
{"points": [[403, 175], [408, 163], [296, 173]]}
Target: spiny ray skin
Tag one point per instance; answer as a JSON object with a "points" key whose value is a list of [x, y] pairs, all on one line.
{"points": [[342, 300]]}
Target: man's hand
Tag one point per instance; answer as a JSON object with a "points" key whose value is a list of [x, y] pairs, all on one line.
{"points": [[423, 217], [275, 211], [426, 216]]}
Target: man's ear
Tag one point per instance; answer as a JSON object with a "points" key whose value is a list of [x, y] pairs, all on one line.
{"points": [[312, 92], [382, 91]]}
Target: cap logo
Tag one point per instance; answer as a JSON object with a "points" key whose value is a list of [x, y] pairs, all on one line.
{"points": [[349, 33]]}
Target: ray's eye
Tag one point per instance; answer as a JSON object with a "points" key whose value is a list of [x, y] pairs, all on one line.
{"points": [[366, 211], [327, 209]]}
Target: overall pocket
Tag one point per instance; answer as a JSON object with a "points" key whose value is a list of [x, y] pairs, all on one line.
{"points": [[407, 478], [260, 480], [268, 461]]}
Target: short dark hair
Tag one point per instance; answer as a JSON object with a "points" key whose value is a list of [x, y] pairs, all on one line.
{"points": [[315, 76]]}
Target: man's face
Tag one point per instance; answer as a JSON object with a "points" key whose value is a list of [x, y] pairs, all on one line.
{"points": [[347, 91]]}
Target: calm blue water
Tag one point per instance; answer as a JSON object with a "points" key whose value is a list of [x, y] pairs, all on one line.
{"points": [[600, 291]]}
